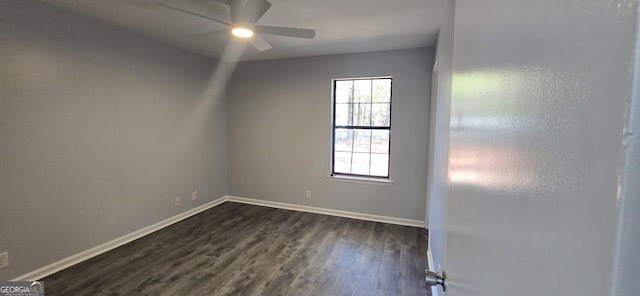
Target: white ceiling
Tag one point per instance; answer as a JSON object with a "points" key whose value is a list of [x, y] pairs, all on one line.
{"points": [[342, 26]]}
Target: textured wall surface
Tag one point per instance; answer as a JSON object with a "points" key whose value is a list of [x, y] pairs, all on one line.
{"points": [[280, 131], [100, 130]]}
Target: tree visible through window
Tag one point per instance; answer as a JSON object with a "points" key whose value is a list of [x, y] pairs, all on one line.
{"points": [[361, 127]]}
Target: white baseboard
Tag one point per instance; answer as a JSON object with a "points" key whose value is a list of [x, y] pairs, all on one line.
{"points": [[108, 246], [331, 212]]}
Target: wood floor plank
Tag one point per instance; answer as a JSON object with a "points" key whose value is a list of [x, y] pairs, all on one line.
{"points": [[238, 249]]}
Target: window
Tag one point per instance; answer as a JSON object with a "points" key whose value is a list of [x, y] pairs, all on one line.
{"points": [[361, 127]]}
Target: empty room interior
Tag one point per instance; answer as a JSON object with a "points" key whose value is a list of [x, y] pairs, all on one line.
{"points": [[254, 147]]}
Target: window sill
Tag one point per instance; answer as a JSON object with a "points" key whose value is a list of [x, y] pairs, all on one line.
{"points": [[361, 180]]}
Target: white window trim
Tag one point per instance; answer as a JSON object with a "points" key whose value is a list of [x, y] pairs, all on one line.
{"points": [[384, 181]]}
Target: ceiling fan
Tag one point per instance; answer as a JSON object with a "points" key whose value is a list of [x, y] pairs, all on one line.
{"points": [[244, 15]]}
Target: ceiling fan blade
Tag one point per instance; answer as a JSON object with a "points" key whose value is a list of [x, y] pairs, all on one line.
{"points": [[248, 12], [260, 8], [210, 34], [259, 43], [237, 6], [286, 31], [193, 13]]}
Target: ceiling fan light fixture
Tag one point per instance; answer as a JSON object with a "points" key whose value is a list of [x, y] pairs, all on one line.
{"points": [[242, 32], [244, 15]]}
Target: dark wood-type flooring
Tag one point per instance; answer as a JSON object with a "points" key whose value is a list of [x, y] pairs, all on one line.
{"points": [[238, 249]]}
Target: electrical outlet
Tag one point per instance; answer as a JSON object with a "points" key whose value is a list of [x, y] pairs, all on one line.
{"points": [[4, 259], [308, 193], [194, 195], [177, 201]]}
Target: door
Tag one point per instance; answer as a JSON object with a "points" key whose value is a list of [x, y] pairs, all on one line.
{"points": [[537, 110]]}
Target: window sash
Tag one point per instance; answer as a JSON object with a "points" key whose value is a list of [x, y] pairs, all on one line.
{"points": [[360, 127], [370, 154]]}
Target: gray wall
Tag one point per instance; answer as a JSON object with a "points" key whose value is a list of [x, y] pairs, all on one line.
{"points": [[100, 130], [280, 131]]}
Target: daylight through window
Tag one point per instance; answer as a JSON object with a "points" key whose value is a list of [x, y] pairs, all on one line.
{"points": [[361, 127]]}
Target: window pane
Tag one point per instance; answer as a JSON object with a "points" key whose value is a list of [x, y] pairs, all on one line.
{"points": [[380, 141], [362, 140], [362, 103], [381, 91], [361, 114], [381, 114], [362, 91], [360, 164], [342, 162], [342, 114], [343, 91], [343, 140], [380, 165]]}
